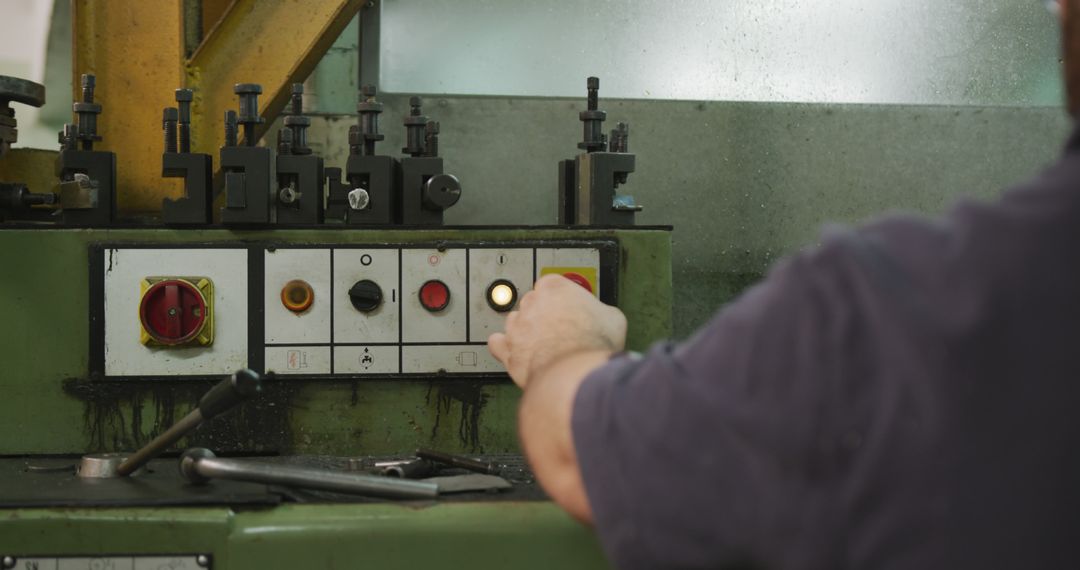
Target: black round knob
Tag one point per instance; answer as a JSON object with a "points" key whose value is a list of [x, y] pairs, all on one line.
{"points": [[365, 295], [441, 191]]}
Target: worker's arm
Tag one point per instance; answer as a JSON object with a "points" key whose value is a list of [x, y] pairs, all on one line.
{"points": [[699, 452], [560, 334]]}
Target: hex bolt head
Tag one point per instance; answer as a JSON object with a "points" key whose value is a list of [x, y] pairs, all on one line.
{"points": [[184, 95], [368, 90], [593, 83], [247, 88], [88, 81]]}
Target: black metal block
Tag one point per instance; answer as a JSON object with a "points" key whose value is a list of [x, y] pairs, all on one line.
{"points": [[337, 196], [100, 167], [422, 200], [195, 207], [378, 176], [301, 189], [596, 183], [247, 185]]}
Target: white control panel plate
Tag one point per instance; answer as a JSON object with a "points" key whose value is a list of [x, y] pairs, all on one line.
{"points": [[381, 325], [332, 337], [418, 266], [282, 325], [124, 270], [488, 266]]}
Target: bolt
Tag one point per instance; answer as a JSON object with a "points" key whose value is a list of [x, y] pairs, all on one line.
{"points": [[230, 128], [202, 560], [88, 84], [285, 141], [249, 109], [297, 98], [69, 137], [168, 124], [431, 139], [183, 100], [415, 124], [369, 110], [355, 140], [8, 562], [87, 111], [592, 120]]}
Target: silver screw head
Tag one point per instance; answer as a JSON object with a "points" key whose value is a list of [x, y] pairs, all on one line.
{"points": [[288, 195], [359, 199], [203, 561]]}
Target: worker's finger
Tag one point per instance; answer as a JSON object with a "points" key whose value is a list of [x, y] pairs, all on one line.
{"points": [[551, 281], [511, 319], [526, 300], [499, 347]]}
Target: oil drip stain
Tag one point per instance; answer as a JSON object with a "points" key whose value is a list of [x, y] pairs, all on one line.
{"points": [[114, 416], [471, 398]]}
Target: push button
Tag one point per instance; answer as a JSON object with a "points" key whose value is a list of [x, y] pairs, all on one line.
{"points": [[434, 295], [365, 296], [297, 296], [579, 279], [502, 295]]}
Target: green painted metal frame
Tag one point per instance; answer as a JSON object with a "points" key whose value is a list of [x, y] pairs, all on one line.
{"points": [[48, 405], [462, 535]]}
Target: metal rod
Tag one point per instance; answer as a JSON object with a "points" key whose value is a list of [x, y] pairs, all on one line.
{"points": [[199, 465], [458, 461], [160, 443]]}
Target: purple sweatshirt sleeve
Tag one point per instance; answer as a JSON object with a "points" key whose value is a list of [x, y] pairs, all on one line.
{"points": [[706, 452]]}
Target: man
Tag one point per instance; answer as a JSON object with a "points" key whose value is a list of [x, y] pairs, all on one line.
{"points": [[905, 396]]}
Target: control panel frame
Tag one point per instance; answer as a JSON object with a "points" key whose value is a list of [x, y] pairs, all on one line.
{"points": [[608, 248]]}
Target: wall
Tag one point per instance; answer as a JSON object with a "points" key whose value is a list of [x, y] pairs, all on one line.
{"points": [[742, 183]]}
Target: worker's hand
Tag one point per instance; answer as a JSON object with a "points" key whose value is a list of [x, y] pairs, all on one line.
{"points": [[557, 319]]}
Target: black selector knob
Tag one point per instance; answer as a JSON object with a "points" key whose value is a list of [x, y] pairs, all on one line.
{"points": [[365, 295]]}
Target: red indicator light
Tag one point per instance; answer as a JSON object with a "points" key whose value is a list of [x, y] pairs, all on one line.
{"points": [[434, 295], [579, 279]]}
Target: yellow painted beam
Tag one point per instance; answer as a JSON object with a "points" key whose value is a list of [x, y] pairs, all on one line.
{"points": [[136, 49], [274, 43]]}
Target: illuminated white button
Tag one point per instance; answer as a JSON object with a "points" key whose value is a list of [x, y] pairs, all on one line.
{"points": [[502, 295]]}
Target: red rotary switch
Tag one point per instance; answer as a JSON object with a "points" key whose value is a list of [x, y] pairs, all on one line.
{"points": [[579, 279], [172, 312], [434, 295]]}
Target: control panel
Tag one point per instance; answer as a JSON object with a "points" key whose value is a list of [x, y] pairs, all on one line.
{"points": [[349, 310]]}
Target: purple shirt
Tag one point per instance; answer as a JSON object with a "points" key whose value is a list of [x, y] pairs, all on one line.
{"points": [[907, 395]]}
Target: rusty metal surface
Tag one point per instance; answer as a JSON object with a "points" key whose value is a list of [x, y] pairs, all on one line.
{"points": [[137, 51], [31, 166]]}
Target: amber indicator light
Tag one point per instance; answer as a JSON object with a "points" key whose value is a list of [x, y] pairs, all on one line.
{"points": [[297, 296]]}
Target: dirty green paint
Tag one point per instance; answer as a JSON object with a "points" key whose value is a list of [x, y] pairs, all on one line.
{"points": [[456, 535], [45, 407]]}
